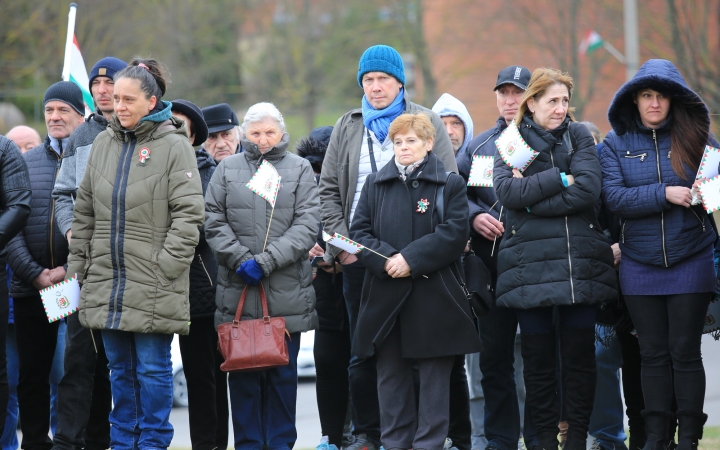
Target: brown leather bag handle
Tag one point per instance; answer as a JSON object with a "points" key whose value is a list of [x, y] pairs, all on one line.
{"points": [[241, 305]]}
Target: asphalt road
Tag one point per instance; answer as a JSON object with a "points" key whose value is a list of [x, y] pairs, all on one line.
{"points": [[308, 424]]}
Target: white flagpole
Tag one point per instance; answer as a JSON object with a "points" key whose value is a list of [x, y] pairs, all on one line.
{"points": [[268, 230], [69, 41]]}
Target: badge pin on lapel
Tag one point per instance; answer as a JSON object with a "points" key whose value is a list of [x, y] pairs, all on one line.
{"points": [[144, 155], [422, 205]]}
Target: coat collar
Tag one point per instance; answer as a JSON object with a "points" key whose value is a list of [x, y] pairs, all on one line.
{"points": [[252, 152], [432, 171]]}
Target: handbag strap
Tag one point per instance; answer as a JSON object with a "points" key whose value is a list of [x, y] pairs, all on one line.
{"points": [[440, 199], [241, 304]]}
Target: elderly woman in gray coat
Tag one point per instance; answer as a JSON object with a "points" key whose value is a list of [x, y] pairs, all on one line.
{"points": [[237, 221]]}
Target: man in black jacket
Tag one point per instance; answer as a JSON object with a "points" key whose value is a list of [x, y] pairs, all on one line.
{"points": [[84, 397], [15, 196], [501, 415], [37, 256]]}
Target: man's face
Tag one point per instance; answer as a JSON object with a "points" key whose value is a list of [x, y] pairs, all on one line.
{"points": [[24, 137], [61, 119], [102, 93], [456, 130], [222, 144], [509, 98], [380, 89]]}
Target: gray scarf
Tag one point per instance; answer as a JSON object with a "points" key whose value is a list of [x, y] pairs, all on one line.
{"points": [[405, 171]]}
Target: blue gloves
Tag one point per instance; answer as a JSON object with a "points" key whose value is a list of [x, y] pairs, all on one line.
{"points": [[251, 272]]}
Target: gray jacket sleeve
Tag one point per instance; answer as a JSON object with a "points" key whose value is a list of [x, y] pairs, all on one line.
{"points": [[333, 216], [226, 247], [65, 191], [297, 240]]}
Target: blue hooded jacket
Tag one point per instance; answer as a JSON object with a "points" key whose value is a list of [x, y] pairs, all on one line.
{"points": [[636, 169]]}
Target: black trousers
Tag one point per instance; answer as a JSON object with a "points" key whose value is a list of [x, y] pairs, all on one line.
{"points": [[84, 395], [332, 358], [36, 342], [4, 309], [206, 385], [670, 334]]}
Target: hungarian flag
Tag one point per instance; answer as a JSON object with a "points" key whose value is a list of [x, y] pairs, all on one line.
{"points": [[591, 42], [77, 73], [265, 182], [343, 243]]}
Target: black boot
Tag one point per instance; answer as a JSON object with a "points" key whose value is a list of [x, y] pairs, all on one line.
{"points": [[577, 346], [538, 352], [656, 427], [690, 429]]}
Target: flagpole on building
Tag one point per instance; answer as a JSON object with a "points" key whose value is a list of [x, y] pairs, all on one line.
{"points": [[69, 41]]}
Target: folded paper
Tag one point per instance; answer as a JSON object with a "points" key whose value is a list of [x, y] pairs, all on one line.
{"points": [[61, 299], [514, 150], [481, 171]]}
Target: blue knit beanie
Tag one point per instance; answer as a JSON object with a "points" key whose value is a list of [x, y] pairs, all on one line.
{"points": [[381, 58], [66, 92], [106, 67]]}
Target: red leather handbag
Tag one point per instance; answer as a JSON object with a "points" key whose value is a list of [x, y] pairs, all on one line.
{"points": [[258, 344]]}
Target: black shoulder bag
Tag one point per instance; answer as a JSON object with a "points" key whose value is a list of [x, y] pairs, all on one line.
{"points": [[478, 287]]}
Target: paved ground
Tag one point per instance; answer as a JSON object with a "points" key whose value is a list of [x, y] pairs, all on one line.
{"points": [[308, 424]]}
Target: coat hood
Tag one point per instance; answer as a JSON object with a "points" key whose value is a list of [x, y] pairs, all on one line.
{"points": [[660, 75], [252, 151], [447, 105]]}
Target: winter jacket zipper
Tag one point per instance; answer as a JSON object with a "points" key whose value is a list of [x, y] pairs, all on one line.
{"points": [[567, 235], [662, 213], [641, 156], [125, 153], [52, 217], [205, 269]]}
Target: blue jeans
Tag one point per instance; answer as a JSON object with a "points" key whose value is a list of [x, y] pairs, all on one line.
{"points": [[606, 420], [498, 332], [263, 404], [9, 440], [56, 373], [142, 388]]}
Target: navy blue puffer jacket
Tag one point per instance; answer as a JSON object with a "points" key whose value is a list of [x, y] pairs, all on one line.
{"points": [[636, 169]]}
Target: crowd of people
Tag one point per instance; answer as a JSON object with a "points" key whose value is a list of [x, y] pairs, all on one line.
{"points": [[596, 258]]}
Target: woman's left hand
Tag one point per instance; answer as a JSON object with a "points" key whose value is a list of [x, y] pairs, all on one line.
{"points": [[397, 267]]}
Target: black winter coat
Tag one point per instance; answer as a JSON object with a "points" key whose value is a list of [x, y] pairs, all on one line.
{"points": [[40, 245], [433, 313], [15, 198], [204, 268], [555, 253]]}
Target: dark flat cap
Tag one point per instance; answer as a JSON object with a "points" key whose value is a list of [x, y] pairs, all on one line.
{"points": [[196, 117], [219, 117]]}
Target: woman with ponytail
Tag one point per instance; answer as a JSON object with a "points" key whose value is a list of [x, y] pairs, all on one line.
{"points": [[136, 220], [660, 130]]}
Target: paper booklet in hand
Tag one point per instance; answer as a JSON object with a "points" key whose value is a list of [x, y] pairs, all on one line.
{"points": [[514, 150], [708, 169], [710, 194], [61, 299], [481, 172]]}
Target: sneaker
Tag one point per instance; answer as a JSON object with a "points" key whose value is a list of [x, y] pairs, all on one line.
{"points": [[325, 445], [448, 445], [362, 442]]}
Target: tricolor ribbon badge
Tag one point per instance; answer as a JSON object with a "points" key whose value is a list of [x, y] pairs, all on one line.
{"points": [[144, 155]]}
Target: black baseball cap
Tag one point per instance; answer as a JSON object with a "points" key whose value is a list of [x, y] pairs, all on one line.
{"points": [[219, 117], [517, 75]]}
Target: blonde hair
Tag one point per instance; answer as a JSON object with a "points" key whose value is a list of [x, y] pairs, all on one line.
{"points": [[420, 123], [543, 79]]}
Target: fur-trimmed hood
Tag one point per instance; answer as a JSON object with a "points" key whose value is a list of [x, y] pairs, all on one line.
{"points": [[314, 146], [660, 75]]}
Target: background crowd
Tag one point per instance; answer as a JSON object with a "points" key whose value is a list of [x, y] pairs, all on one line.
{"points": [[593, 250]]}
